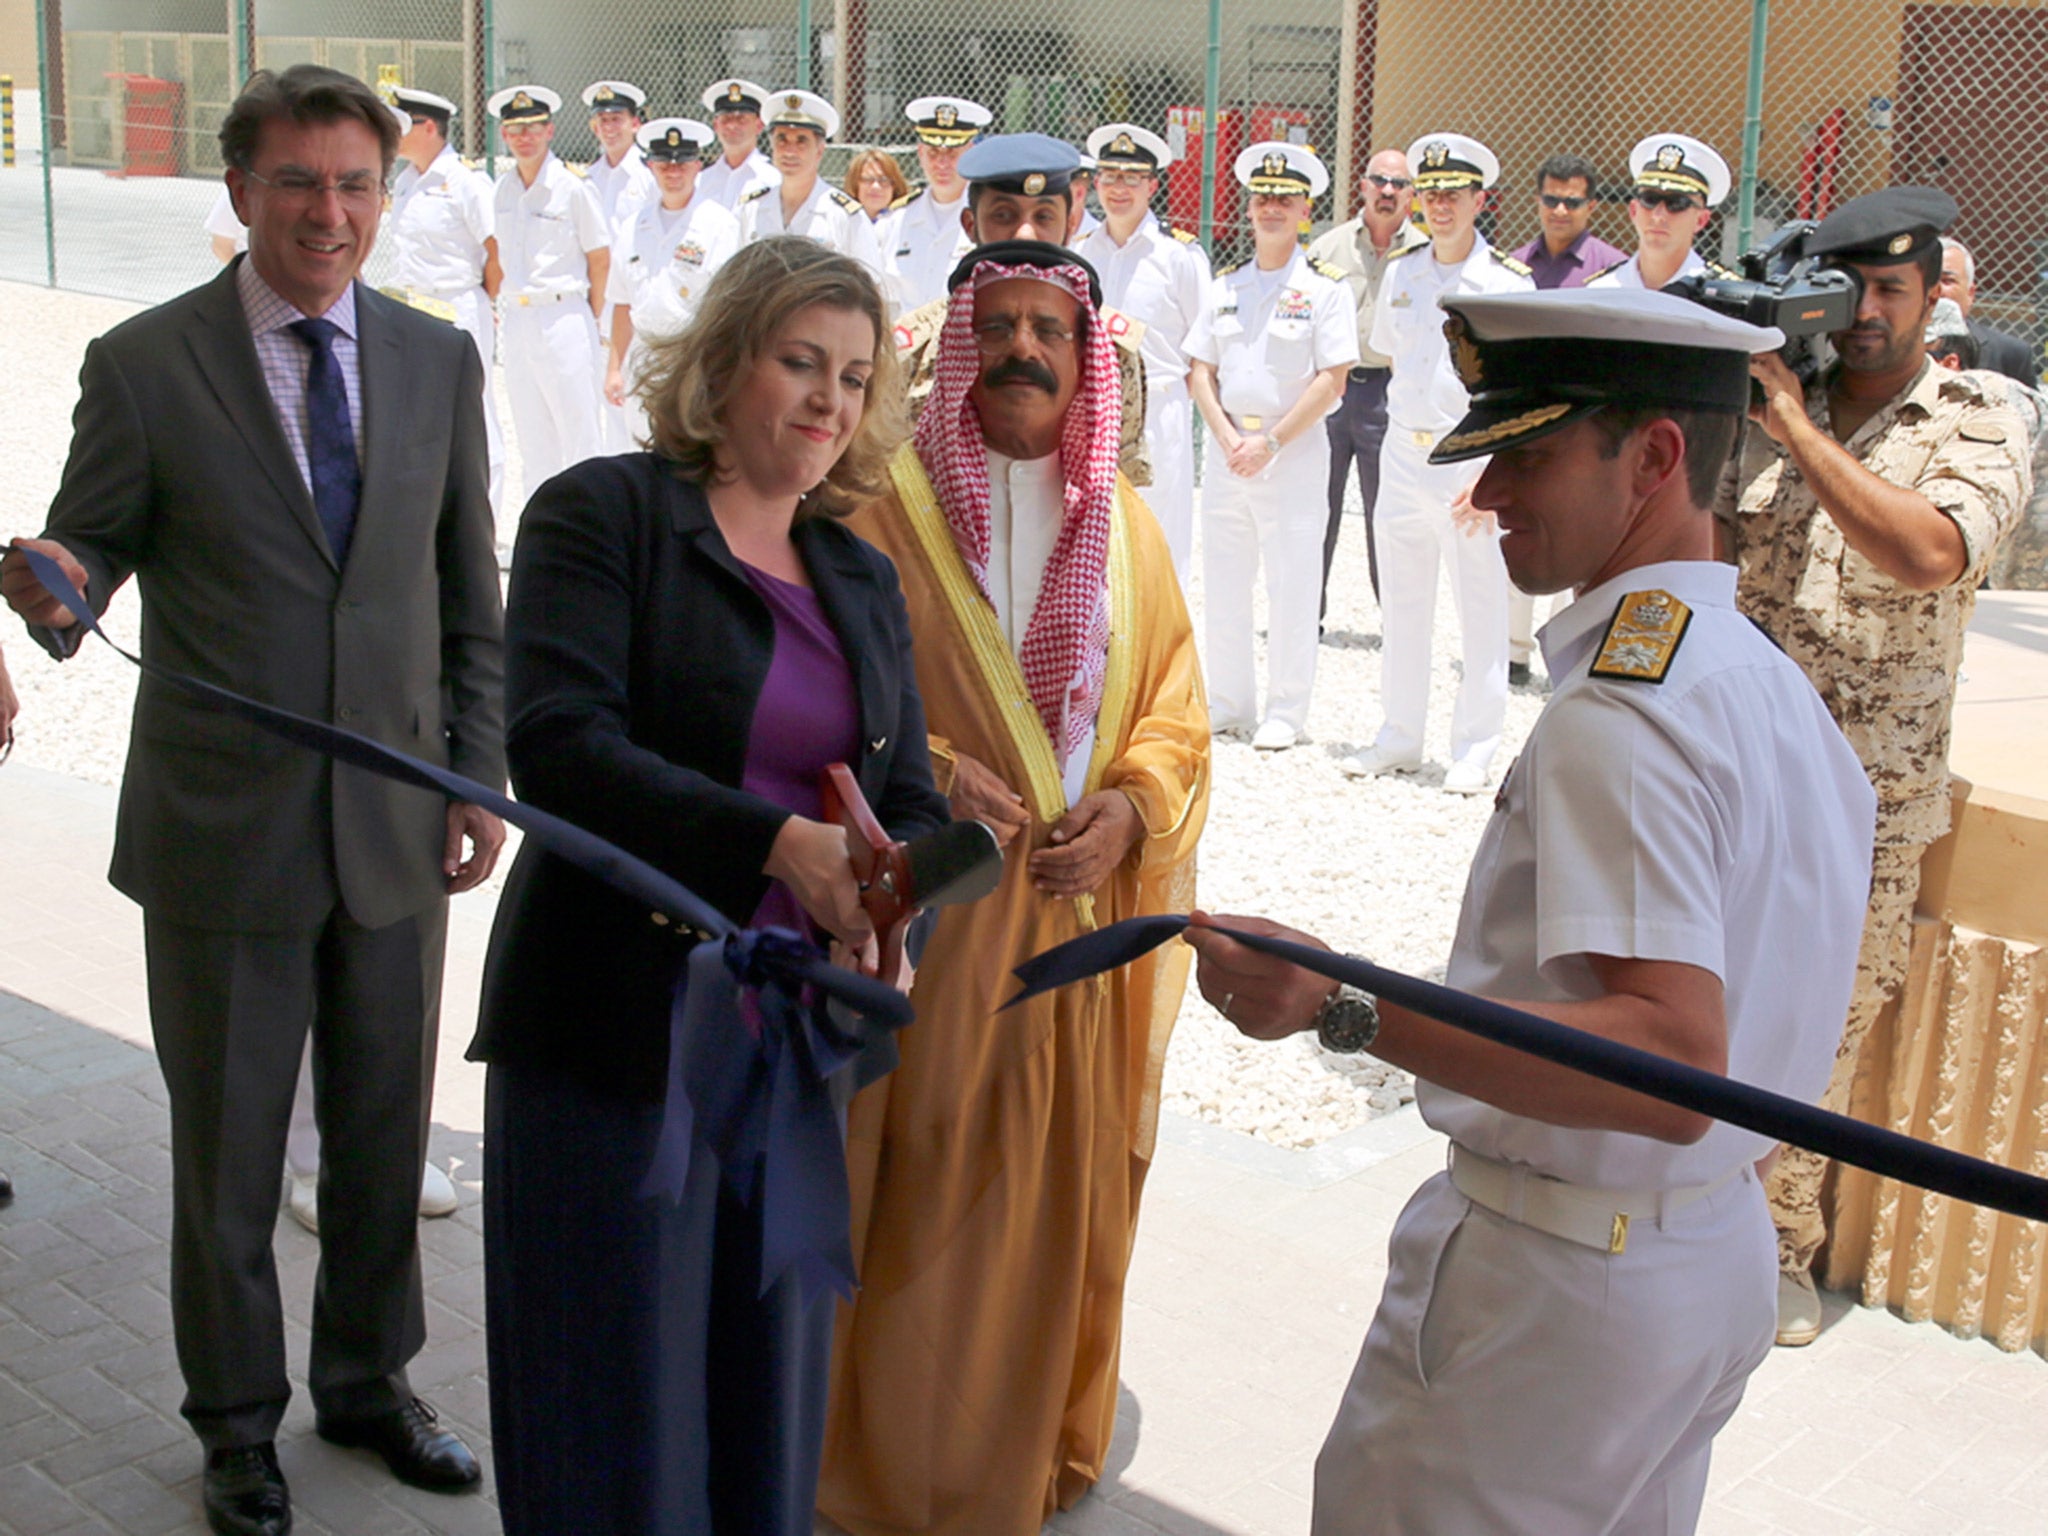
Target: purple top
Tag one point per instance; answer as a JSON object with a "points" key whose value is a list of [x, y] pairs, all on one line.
{"points": [[807, 717], [1587, 256]]}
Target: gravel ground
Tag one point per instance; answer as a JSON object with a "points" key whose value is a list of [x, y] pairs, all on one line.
{"points": [[1374, 867]]}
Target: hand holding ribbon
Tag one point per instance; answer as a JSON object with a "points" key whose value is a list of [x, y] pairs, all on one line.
{"points": [[1871, 1147]]}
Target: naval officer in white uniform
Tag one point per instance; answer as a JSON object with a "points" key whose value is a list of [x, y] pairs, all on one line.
{"points": [[924, 235], [735, 108], [1423, 516], [1572, 1310], [1270, 349], [1159, 275], [556, 253], [1679, 182], [804, 203], [619, 174], [444, 244], [663, 256]]}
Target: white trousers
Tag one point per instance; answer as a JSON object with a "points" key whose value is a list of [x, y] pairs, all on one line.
{"points": [[1277, 515], [1170, 434], [551, 365], [474, 314], [1413, 534], [1513, 1382]]}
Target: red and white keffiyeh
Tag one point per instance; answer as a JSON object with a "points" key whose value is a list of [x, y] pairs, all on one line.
{"points": [[1066, 645]]}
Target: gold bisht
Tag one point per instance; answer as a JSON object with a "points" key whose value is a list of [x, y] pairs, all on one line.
{"points": [[996, 1172]]}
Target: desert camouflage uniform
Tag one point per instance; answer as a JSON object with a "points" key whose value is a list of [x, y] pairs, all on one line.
{"points": [[2021, 564], [1883, 659], [917, 347]]}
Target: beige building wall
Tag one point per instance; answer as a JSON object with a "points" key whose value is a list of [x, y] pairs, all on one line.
{"points": [[18, 42]]}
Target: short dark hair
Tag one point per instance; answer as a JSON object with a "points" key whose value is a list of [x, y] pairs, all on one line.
{"points": [[305, 93], [1929, 263], [1961, 346], [1568, 168], [1709, 441]]}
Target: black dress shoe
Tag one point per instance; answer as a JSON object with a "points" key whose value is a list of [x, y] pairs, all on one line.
{"points": [[413, 1444], [1518, 674], [6, 1190], [244, 1492]]}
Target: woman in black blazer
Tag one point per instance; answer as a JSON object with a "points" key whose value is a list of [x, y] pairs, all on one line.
{"points": [[690, 637]]}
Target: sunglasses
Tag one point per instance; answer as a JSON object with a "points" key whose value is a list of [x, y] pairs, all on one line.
{"points": [[1677, 202], [1554, 200], [1390, 183]]}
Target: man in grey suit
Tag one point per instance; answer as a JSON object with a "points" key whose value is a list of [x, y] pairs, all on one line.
{"points": [[293, 467]]}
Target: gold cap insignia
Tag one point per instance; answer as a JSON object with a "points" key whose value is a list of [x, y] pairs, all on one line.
{"points": [[673, 138], [1034, 184], [1124, 145], [1900, 244], [1275, 165], [1464, 351], [522, 101], [794, 101], [1670, 158], [947, 115], [605, 93], [1436, 154], [732, 92]]}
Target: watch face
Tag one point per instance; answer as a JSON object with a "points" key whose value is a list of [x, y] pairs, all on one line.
{"points": [[1349, 1023]]}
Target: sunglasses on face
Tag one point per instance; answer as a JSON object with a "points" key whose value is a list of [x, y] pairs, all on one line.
{"points": [[1390, 183], [1555, 200], [1677, 202]]}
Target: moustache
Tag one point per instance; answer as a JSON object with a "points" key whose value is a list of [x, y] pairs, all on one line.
{"points": [[1021, 370]]}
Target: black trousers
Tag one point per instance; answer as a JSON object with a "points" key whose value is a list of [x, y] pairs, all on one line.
{"points": [[1357, 428], [230, 1012]]}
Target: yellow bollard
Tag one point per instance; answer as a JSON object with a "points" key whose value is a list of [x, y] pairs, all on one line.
{"points": [[6, 120]]}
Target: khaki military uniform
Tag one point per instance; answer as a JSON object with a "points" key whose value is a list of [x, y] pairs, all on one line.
{"points": [[1883, 659]]}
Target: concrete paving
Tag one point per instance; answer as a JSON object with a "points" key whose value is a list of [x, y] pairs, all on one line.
{"points": [[1255, 1273]]}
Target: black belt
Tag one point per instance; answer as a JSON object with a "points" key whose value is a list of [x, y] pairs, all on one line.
{"points": [[1364, 375]]}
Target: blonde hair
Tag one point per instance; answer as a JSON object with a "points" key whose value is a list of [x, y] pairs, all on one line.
{"points": [[689, 379]]}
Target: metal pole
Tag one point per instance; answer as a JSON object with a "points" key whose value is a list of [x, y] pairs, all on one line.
{"points": [[1342, 177], [842, 64], [238, 30], [803, 48], [490, 65], [1212, 95], [1752, 122], [43, 111]]}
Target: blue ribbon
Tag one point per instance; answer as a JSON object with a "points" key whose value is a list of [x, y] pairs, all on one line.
{"points": [[1881, 1151], [761, 1103]]}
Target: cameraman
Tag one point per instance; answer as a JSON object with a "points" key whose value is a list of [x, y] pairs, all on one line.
{"points": [[1863, 517]]}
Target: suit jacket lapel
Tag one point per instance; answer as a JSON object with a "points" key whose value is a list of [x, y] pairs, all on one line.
{"points": [[384, 409], [226, 356]]}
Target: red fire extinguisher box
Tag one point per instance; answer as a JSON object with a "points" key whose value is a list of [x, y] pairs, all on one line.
{"points": [[152, 114], [1184, 131]]}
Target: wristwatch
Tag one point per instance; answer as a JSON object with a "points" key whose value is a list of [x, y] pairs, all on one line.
{"points": [[1349, 1022]]}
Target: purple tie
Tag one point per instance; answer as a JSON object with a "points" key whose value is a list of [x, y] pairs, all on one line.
{"points": [[330, 438]]}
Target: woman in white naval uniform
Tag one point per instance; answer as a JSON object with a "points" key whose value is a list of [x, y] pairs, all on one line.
{"points": [[1271, 348], [1160, 276], [1423, 516], [443, 242], [663, 256], [1679, 182], [557, 254], [799, 123], [922, 236], [739, 167]]}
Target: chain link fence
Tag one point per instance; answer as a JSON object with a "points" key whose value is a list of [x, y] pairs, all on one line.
{"points": [[1812, 101]]}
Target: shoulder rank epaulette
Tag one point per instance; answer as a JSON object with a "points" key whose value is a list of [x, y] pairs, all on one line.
{"points": [[755, 194], [1642, 638], [907, 199], [1409, 250], [469, 164], [1232, 266], [578, 170], [1613, 266], [1328, 269], [847, 201], [1184, 237], [1519, 268]]}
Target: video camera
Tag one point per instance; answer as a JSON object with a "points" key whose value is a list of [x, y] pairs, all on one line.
{"points": [[1781, 285]]}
